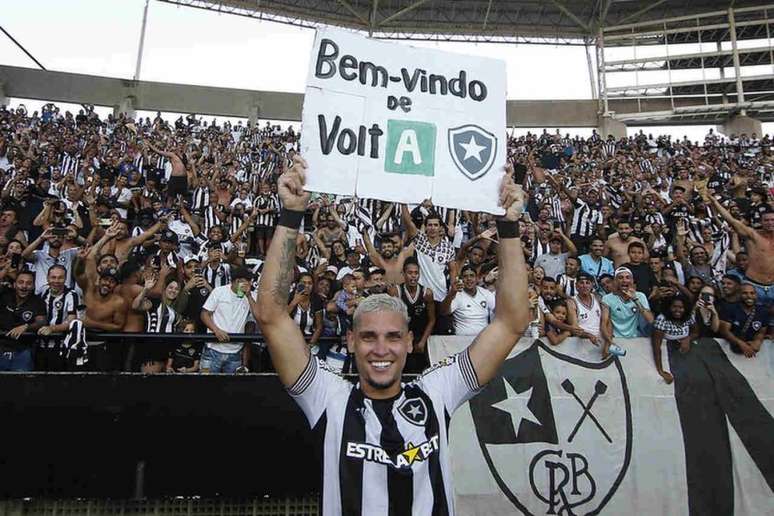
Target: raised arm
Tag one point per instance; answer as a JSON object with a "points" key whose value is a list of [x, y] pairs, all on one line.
{"points": [[490, 349], [740, 227], [405, 215], [373, 254], [30, 249], [93, 255], [148, 233], [289, 351], [568, 243]]}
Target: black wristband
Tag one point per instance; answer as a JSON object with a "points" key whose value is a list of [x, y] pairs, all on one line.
{"points": [[507, 229], [290, 218]]}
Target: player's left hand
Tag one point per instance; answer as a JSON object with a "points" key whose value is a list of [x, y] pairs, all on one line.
{"points": [[511, 196]]}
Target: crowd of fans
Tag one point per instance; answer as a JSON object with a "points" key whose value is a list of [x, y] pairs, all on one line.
{"points": [[119, 225]]}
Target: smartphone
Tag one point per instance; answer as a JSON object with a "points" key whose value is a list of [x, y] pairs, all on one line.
{"points": [[15, 260], [300, 288], [706, 297], [59, 231], [105, 222]]}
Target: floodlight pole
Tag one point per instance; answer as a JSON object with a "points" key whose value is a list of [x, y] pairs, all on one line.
{"points": [[603, 106], [735, 54], [142, 42], [591, 70]]}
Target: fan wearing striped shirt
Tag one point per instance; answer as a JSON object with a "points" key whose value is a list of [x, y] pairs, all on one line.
{"points": [[215, 270], [306, 308], [61, 306], [380, 413], [160, 317], [266, 209]]}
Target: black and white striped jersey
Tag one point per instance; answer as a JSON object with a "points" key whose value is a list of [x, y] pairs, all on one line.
{"points": [[384, 457], [138, 160], [58, 307], [219, 276], [161, 318], [584, 219], [538, 249], [200, 199], [209, 219], [655, 218], [266, 202], [568, 285], [68, 163]]}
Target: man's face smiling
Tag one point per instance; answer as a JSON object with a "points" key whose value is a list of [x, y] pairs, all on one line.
{"points": [[748, 296], [380, 342], [388, 251]]}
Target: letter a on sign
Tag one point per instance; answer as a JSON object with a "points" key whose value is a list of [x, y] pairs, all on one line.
{"points": [[410, 148], [408, 143]]}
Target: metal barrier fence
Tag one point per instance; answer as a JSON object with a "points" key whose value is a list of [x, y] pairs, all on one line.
{"points": [[181, 506], [260, 361]]}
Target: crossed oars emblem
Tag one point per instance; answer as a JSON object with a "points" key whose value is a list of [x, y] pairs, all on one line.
{"points": [[599, 389]]}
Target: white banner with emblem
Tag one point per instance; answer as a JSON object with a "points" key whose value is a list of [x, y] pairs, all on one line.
{"points": [[393, 122], [560, 431]]}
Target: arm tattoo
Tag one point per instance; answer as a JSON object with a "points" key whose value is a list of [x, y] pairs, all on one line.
{"points": [[284, 278]]}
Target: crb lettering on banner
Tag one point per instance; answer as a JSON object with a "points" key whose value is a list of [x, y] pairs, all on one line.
{"points": [[388, 121]]}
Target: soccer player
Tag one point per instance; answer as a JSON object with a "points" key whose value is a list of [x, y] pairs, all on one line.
{"points": [[386, 446]]}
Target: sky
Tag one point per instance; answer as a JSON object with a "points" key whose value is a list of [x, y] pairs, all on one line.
{"points": [[192, 46]]}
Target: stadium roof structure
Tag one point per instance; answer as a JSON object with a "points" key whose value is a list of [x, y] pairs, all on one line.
{"points": [[521, 21]]}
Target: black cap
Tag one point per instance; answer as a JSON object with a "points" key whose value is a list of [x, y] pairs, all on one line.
{"points": [[169, 236], [586, 276]]}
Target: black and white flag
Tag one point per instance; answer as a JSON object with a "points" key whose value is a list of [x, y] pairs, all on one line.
{"points": [[560, 431]]}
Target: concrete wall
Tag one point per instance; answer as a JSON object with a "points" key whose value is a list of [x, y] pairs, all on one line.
{"points": [[151, 96], [125, 95]]}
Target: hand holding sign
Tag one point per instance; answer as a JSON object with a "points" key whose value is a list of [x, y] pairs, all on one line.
{"points": [[290, 186], [511, 196]]}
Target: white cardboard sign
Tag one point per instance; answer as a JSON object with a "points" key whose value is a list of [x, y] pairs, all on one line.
{"points": [[392, 122]]}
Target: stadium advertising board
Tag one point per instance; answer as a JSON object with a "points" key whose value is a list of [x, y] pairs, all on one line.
{"points": [[392, 122]]}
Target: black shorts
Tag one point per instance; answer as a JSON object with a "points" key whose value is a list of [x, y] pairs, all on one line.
{"points": [[264, 232], [177, 185]]}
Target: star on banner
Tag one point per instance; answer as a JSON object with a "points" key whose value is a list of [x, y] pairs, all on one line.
{"points": [[515, 404]]}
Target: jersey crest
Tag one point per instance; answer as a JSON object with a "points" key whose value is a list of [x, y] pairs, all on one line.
{"points": [[414, 411]]}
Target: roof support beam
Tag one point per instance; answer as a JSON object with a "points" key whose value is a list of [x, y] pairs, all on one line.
{"points": [[570, 15], [403, 11], [352, 11], [642, 11], [486, 16], [372, 20], [603, 16]]}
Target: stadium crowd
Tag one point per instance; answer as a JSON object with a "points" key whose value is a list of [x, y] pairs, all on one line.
{"points": [[119, 225]]}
